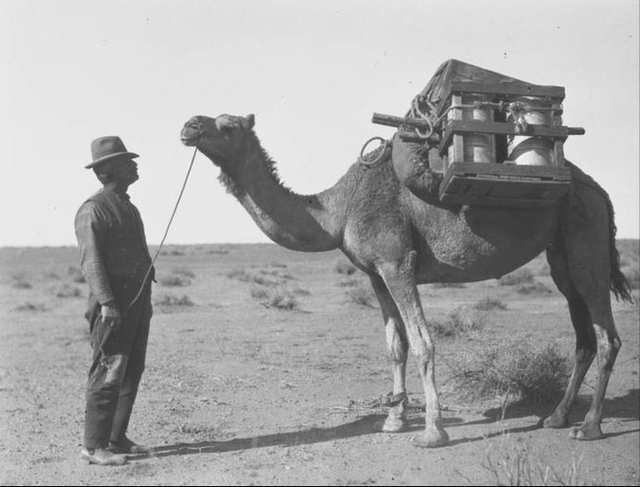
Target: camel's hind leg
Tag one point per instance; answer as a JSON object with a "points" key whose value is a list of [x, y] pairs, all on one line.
{"points": [[581, 266], [586, 345], [399, 278], [398, 346]]}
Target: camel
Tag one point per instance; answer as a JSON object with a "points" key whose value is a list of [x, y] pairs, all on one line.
{"points": [[400, 241]]}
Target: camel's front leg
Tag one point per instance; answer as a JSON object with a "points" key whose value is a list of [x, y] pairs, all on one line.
{"points": [[400, 281], [397, 345]]}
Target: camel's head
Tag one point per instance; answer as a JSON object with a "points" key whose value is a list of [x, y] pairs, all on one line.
{"points": [[221, 139]]}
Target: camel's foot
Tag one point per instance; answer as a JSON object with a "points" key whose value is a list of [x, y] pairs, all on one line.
{"points": [[431, 438], [588, 431], [391, 425], [556, 421]]}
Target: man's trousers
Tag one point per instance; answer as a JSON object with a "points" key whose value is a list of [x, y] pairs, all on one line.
{"points": [[117, 363]]}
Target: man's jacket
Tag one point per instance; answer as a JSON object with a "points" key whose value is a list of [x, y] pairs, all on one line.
{"points": [[111, 242]]}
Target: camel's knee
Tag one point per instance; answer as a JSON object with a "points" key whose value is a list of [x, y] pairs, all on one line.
{"points": [[609, 345], [424, 354]]}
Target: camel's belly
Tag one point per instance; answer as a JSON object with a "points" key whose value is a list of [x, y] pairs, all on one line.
{"points": [[485, 243]]}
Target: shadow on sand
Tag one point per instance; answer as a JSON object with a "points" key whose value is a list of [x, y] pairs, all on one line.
{"points": [[623, 408], [359, 427]]}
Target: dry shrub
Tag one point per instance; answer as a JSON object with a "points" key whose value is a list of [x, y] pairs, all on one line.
{"points": [[31, 307], [263, 277], [67, 291], [346, 268], [276, 274], [76, 275], [174, 281], [184, 272], [489, 304], [174, 252], [171, 301], [240, 275], [265, 281], [533, 288], [52, 275], [516, 464], [278, 297], [458, 322], [517, 368], [444, 285], [19, 281], [350, 283], [217, 251], [298, 291], [517, 277], [362, 295]]}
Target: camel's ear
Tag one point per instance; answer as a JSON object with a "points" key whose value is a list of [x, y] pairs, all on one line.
{"points": [[249, 121]]}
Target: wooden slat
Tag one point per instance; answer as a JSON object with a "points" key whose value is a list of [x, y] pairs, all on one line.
{"points": [[508, 88], [509, 170], [505, 128], [507, 186]]}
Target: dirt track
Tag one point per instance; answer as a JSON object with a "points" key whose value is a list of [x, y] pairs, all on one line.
{"points": [[237, 393]]}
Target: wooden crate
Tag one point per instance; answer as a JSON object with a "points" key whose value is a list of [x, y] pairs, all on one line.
{"points": [[494, 180], [505, 185]]}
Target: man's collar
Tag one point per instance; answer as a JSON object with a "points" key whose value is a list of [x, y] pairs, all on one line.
{"points": [[122, 196]]}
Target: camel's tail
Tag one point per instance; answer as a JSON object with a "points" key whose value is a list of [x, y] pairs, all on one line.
{"points": [[618, 284]]}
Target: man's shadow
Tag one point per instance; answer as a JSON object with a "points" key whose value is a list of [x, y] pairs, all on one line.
{"points": [[624, 408], [359, 427]]}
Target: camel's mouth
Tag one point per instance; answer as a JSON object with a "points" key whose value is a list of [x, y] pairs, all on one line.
{"points": [[190, 133], [189, 137]]}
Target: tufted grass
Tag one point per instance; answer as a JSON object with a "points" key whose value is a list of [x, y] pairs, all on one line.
{"points": [[461, 321]]}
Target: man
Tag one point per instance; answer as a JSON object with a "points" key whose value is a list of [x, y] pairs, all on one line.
{"points": [[116, 263]]}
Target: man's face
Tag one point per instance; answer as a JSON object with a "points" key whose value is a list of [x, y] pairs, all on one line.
{"points": [[124, 170]]}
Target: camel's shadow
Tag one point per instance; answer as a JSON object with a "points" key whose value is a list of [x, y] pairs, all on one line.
{"points": [[623, 408]]}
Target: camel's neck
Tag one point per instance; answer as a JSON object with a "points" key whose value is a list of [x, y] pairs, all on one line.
{"points": [[309, 223]]}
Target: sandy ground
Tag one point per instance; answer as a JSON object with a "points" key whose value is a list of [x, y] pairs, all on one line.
{"points": [[239, 393]]}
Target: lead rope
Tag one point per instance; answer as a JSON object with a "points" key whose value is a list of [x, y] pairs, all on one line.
{"points": [[166, 232]]}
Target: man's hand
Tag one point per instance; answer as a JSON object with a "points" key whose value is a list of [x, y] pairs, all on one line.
{"points": [[111, 315]]}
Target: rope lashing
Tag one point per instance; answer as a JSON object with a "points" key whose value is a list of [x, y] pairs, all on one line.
{"points": [[517, 109]]}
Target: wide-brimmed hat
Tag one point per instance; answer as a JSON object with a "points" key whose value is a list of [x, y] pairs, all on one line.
{"points": [[104, 149]]}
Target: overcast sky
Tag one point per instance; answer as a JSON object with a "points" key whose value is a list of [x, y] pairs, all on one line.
{"points": [[313, 72]]}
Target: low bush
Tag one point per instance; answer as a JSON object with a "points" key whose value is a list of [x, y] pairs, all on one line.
{"points": [[19, 281], [346, 268], [278, 297], [444, 285], [533, 288], [67, 291], [458, 322], [489, 304], [76, 275], [169, 300], [517, 367], [362, 295], [174, 280], [350, 283], [31, 307]]}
